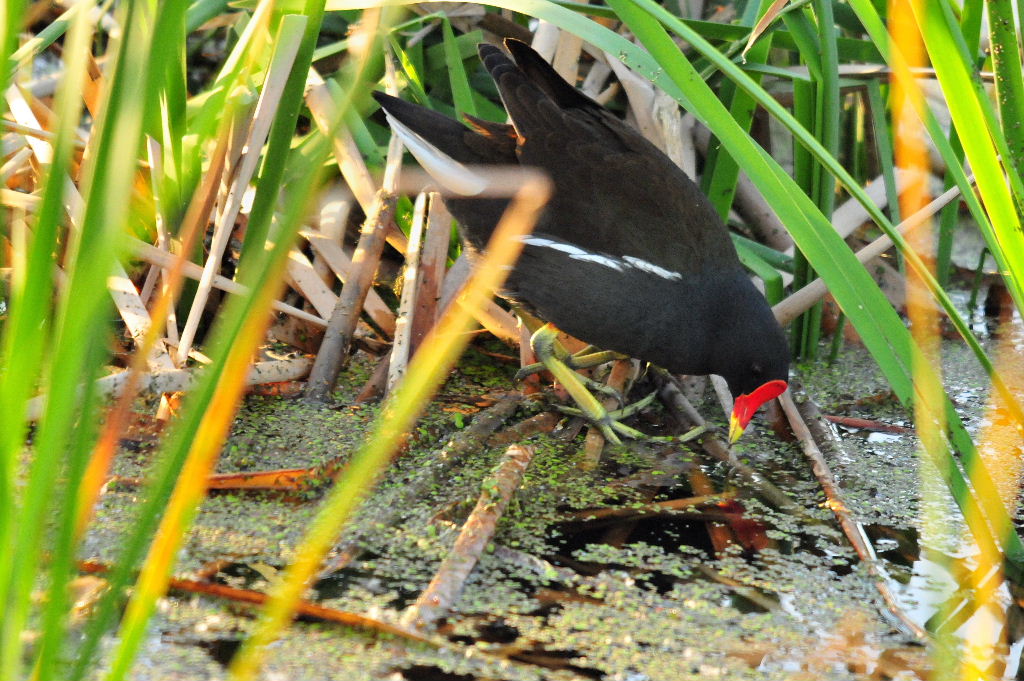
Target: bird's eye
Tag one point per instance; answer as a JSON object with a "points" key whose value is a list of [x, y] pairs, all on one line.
{"points": [[756, 369]]}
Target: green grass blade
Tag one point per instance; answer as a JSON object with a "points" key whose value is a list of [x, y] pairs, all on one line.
{"points": [[721, 171], [773, 288], [973, 120], [461, 91], [78, 337], [884, 148]]}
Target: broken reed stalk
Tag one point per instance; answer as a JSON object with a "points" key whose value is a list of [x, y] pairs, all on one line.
{"points": [[342, 325], [179, 380], [680, 407], [851, 528], [258, 130], [401, 349], [444, 589], [799, 302], [160, 258], [433, 261]]}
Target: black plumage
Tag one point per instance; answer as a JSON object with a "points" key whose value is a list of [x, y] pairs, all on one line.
{"points": [[629, 255]]}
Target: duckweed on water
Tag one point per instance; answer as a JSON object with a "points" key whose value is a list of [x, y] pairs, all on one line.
{"points": [[643, 610]]}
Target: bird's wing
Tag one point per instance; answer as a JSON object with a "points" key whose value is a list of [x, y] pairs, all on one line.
{"points": [[614, 189]]}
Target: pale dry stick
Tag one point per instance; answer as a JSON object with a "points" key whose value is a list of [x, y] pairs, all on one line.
{"points": [[797, 303], [597, 76], [640, 93], [851, 528], [302, 276], [20, 200], [401, 348], [15, 163], [180, 380], [871, 71], [341, 264], [163, 242], [446, 586], [34, 131], [545, 40], [346, 153], [433, 262], [126, 297], [154, 256], [335, 206], [566, 60], [491, 316], [153, 154], [266, 108], [681, 408]]}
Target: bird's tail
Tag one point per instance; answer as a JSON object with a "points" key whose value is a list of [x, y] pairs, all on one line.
{"points": [[438, 143], [529, 80]]}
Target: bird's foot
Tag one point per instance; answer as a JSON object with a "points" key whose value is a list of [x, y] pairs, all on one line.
{"points": [[584, 359], [609, 422]]}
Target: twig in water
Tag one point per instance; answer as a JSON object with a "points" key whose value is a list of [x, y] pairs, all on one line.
{"points": [[853, 530], [442, 592], [668, 507], [866, 424]]}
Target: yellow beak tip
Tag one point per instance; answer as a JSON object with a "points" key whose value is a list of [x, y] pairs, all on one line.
{"points": [[735, 430]]}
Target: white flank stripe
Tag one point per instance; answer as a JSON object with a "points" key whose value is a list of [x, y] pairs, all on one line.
{"points": [[442, 167], [617, 264], [574, 252], [600, 260], [651, 268]]}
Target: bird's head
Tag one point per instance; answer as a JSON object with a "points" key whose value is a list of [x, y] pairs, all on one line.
{"points": [[754, 360]]}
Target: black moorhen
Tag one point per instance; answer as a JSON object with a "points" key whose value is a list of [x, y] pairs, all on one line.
{"points": [[629, 255]]}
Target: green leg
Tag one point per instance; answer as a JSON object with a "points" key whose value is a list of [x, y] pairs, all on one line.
{"points": [[543, 343], [556, 360]]}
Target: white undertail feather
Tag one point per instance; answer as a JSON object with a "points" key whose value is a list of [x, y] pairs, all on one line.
{"points": [[451, 174]]}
